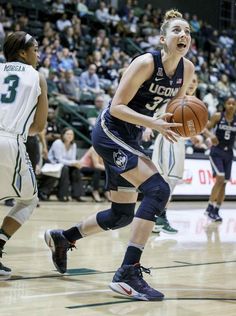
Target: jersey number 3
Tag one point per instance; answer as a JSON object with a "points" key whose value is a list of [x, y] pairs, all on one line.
{"points": [[12, 81]]}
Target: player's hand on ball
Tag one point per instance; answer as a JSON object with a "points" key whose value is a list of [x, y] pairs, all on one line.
{"points": [[163, 127]]}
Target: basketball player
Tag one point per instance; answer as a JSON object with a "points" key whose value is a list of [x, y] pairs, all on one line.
{"points": [[144, 87], [23, 110], [169, 160], [221, 155]]}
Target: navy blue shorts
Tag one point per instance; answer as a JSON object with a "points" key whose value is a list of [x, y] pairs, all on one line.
{"points": [[221, 162], [119, 156]]}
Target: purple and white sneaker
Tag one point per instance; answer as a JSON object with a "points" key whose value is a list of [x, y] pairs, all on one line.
{"points": [[128, 280]]}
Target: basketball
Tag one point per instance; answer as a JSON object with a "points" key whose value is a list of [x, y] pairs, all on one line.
{"points": [[191, 112]]}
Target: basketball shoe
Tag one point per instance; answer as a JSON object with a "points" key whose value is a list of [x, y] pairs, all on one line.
{"points": [[128, 280], [59, 246], [213, 213], [218, 218], [4, 271], [162, 225]]}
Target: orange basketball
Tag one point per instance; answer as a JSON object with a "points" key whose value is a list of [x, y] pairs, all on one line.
{"points": [[191, 112]]}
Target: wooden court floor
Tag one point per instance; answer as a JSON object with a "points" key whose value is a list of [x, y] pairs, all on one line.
{"points": [[195, 269]]}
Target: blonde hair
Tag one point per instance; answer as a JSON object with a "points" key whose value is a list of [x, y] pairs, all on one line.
{"points": [[169, 16]]}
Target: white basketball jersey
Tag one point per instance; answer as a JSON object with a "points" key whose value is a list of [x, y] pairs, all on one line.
{"points": [[19, 93]]}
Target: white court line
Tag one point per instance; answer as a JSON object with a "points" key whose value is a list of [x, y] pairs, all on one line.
{"points": [[105, 291]]}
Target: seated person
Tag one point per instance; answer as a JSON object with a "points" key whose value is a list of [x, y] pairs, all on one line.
{"points": [[89, 83], [64, 151], [92, 164], [69, 86], [52, 131], [93, 114]]}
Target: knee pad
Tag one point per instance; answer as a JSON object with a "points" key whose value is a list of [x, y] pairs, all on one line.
{"points": [[156, 192], [23, 209], [119, 215]]}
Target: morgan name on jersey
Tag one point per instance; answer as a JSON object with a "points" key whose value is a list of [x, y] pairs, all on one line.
{"points": [[14, 68]]}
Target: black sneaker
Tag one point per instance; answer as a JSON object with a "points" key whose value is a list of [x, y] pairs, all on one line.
{"points": [[59, 246], [214, 216], [218, 217], [209, 209], [128, 280], [4, 271]]}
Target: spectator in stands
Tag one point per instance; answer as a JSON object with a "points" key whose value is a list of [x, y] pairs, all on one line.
{"points": [[225, 41], [114, 19], [154, 39], [92, 164], [145, 25], [52, 131], [80, 29], [93, 114], [195, 24], [69, 86], [64, 151], [223, 86], [230, 69], [148, 9], [204, 79], [108, 73], [212, 41], [69, 39], [96, 59], [102, 13], [23, 21], [109, 94], [82, 8], [89, 83], [58, 7], [117, 43], [130, 23], [67, 59], [138, 11], [52, 82], [63, 23], [106, 44], [45, 68], [211, 100], [48, 30], [126, 7]]}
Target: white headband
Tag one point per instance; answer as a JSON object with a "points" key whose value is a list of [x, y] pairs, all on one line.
{"points": [[27, 38]]}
